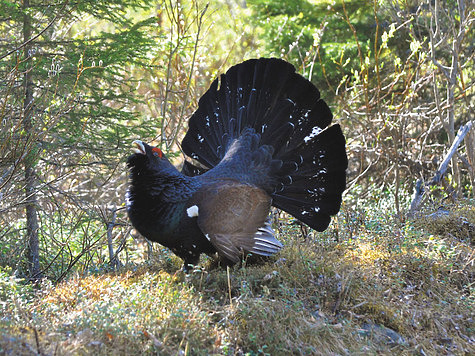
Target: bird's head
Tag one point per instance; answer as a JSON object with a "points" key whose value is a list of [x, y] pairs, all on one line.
{"points": [[147, 157]]}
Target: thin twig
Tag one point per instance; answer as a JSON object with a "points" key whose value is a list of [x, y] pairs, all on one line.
{"points": [[190, 76], [229, 287]]}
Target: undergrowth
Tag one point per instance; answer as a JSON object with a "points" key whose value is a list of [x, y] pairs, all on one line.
{"points": [[370, 284]]}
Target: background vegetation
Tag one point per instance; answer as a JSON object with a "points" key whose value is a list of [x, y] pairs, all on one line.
{"points": [[79, 80]]}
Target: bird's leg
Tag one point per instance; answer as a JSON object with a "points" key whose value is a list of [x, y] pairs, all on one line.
{"points": [[190, 262], [187, 267]]}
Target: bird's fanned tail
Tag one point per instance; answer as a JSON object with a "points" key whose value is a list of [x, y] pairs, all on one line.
{"points": [[286, 110]]}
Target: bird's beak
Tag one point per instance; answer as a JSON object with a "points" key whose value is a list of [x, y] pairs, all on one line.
{"points": [[140, 148]]}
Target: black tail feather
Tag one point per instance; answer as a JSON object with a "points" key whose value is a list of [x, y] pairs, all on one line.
{"points": [[309, 158], [264, 94], [313, 175]]}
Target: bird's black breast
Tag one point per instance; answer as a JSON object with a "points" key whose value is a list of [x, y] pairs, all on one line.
{"points": [[155, 221], [188, 241], [169, 225]]}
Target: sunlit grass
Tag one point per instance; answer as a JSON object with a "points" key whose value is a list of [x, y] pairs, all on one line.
{"points": [[367, 286]]}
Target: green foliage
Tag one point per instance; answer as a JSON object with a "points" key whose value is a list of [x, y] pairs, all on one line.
{"points": [[15, 294], [71, 243], [83, 99], [83, 112], [305, 32]]}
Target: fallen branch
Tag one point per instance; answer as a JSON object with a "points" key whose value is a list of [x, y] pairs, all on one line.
{"points": [[463, 130], [420, 188]]}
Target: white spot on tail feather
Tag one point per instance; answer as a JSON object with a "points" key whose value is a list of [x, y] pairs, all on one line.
{"points": [[315, 131], [192, 211]]}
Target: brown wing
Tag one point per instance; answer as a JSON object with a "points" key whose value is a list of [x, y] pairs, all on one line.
{"points": [[233, 217]]}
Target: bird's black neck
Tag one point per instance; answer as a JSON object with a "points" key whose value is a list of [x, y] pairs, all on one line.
{"points": [[166, 185]]}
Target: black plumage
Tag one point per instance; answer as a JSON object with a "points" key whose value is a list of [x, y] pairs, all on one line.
{"points": [[262, 133]]}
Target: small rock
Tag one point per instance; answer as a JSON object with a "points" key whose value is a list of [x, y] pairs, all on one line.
{"points": [[382, 334]]}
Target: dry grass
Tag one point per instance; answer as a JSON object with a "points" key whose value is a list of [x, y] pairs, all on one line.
{"points": [[384, 288]]}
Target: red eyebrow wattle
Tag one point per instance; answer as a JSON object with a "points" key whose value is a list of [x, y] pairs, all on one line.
{"points": [[158, 150]]}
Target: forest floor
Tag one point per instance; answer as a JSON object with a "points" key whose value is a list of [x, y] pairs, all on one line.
{"points": [[370, 284]]}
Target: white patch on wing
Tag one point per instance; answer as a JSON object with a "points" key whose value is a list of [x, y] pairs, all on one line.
{"points": [[206, 235], [192, 211]]}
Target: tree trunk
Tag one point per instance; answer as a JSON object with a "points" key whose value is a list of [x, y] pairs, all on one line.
{"points": [[33, 251]]}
